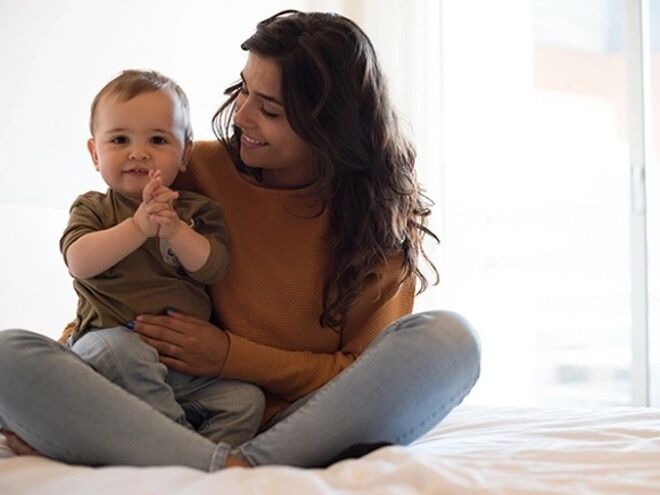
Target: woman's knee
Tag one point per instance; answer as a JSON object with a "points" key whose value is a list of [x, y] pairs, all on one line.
{"points": [[443, 332], [445, 324], [20, 346], [456, 328], [23, 352]]}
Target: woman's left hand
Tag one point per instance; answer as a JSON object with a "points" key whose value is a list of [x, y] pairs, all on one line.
{"points": [[185, 343]]}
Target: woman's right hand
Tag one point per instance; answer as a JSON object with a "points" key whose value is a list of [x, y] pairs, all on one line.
{"points": [[185, 343], [18, 445]]}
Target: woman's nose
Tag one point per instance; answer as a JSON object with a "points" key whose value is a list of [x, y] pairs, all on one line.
{"points": [[242, 115]]}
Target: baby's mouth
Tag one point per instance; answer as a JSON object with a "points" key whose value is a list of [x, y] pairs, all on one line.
{"points": [[137, 171]]}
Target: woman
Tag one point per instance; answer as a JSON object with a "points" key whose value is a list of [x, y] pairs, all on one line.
{"points": [[326, 222]]}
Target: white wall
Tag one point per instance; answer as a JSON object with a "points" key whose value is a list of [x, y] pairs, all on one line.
{"points": [[55, 57]]}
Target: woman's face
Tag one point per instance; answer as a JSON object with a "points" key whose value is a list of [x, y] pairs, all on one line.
{"points": [[267, 140]]}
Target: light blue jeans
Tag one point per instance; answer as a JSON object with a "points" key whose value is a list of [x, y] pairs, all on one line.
{"points": [[221, 410], [404, 383]]}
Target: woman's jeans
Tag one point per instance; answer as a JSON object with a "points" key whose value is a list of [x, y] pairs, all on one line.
{"points": [[404, 384], [221, 410]]}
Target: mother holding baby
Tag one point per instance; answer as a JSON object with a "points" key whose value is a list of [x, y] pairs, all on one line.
{"points": [[326, 223]]}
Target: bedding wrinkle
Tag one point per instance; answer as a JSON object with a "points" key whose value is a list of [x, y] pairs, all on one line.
{"points": [[483, 450]]}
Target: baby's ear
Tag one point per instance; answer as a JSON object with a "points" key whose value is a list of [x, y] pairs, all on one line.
{"points": [[91, 147], [187, 151]]}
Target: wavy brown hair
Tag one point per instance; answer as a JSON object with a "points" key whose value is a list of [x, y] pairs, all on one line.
{"points": [[336, 99]]}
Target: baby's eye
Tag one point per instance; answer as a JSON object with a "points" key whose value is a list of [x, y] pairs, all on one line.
{"points": [[119, 140], [158, 140]]}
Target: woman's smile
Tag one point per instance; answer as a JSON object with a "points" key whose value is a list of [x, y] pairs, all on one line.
{"points": [[251, 142]]}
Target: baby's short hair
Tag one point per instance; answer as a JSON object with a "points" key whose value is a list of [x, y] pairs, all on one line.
{"points": [[131, 83]]}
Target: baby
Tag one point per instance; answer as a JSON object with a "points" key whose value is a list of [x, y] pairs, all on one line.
{"points": [[141, 248]]}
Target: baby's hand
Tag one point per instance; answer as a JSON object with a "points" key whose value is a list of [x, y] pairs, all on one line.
{"points": [[159, 201], [143, 222], [154, 197]]}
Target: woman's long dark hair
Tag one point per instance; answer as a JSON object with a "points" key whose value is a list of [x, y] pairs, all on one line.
{"points": [[336, 99]]}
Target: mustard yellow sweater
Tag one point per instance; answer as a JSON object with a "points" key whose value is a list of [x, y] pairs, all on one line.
{"points": [[270, 299]]}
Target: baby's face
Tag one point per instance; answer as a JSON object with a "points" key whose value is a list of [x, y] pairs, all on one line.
{"points": [[135, 136]]}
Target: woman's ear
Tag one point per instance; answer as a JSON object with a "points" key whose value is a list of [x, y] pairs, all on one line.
{"points": [[91, 147], [187, 151]]}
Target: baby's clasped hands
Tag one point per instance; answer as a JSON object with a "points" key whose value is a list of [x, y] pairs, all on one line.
{"points": [[156, 216]]}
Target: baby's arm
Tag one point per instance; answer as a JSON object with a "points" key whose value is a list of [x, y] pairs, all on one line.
{"points": [[191, 248], [97, 251]]}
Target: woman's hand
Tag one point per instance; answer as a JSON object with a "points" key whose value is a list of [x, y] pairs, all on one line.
{"points": [[185, 343], [18, 445]]}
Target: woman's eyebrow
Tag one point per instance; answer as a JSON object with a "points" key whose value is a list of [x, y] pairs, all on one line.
{"points": [[262, 95]]}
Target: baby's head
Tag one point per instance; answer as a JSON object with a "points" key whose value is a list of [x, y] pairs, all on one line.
{"points": [[140, 122], [132, 83]]}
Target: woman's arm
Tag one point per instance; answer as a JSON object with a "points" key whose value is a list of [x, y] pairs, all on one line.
{"points": [[295, 373], [199, 348]]}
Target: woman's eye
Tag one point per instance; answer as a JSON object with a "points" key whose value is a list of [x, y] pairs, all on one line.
{"points": [[267, 114]]}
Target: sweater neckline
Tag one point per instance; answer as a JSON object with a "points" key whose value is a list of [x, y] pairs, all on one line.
{"points": [[301, 202], [307, 190]]}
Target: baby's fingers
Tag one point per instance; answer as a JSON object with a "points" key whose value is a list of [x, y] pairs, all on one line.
{"points": [[151, 189], [163, 194]]}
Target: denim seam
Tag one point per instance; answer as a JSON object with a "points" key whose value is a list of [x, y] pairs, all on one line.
{"points": [[115, 360], [219, 457]]}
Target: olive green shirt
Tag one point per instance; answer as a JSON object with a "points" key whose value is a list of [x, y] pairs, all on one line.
{"points": [[149, 279]]}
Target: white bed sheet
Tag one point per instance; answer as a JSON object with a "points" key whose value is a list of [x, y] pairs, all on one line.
{"points": [[476, 450]]}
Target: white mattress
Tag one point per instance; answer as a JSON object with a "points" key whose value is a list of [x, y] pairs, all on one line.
{"points": [[476, 450]]}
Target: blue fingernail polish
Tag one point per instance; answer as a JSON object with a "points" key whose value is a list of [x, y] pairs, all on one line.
{"points": [[130, 325]]}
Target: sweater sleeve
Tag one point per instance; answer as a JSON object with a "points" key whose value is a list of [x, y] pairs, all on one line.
{"points": [[293, 374]]}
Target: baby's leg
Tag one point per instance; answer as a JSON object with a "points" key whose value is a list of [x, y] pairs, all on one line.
{"points": [[228, 411], [120, 356]]}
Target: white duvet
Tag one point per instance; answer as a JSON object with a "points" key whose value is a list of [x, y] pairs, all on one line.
{"points": [[476, 450]]}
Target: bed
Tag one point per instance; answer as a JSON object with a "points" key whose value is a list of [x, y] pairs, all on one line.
{"points": [[475, 450]]}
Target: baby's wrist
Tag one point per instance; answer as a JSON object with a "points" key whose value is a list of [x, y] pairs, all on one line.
{"points": [[177, 226], [138, 228]]}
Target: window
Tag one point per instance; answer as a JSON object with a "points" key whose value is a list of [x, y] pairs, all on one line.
{"points": [[542, 250]]}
